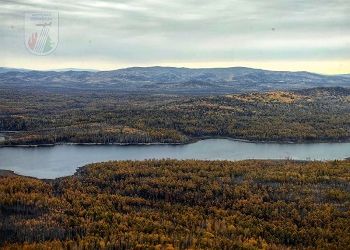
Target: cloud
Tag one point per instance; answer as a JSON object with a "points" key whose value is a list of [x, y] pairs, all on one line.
{"points": [[159, 31]]}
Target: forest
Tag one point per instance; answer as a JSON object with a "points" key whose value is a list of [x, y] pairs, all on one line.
{"points": [[189, 204], [32, 116]]}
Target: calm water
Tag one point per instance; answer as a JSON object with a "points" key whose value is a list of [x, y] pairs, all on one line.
{"points": [[62, 160]]}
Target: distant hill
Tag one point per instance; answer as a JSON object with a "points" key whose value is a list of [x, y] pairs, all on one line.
{"points": [[5, 70], [74, 69], [173, 80]]}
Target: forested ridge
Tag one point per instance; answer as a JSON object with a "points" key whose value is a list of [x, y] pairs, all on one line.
{"points": [[169, 204], [48, 117]]}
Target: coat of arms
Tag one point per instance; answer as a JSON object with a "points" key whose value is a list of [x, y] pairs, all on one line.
{"points": [[41, 32]]}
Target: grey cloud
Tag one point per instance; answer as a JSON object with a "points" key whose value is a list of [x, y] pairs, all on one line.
{"points": [[138, 30]]}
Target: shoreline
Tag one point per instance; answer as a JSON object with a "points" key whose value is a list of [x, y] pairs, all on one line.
{"points": [[13, 173], [191, 141]]}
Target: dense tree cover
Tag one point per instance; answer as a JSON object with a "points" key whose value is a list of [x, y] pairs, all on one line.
{"points": [[100, 117], [168, 204]]}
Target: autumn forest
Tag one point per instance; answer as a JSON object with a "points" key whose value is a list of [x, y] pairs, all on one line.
{"points": [[173, 204], [169, 204], [50, 117]]}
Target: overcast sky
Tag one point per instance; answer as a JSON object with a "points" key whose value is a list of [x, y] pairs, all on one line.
{"points": [[311, 35]]}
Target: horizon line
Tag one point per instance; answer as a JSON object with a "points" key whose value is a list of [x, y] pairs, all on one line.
{"points": [[163, 66]]}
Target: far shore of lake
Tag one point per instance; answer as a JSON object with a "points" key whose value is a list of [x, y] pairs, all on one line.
{"points": [[193, 140]]}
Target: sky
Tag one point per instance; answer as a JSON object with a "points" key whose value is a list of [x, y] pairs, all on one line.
{"points": [[310, 35]]}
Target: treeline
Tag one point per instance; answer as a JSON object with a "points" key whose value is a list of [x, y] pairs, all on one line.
{"points": [[83, 117], [169, 204]]}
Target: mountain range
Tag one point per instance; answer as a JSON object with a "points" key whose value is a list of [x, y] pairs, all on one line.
{"points": [[171, 80]]}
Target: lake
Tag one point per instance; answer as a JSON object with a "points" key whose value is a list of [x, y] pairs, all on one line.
{"points": [[62, 160]]}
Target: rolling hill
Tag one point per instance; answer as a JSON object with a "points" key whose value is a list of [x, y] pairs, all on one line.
{"points": [[172, 80]]}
